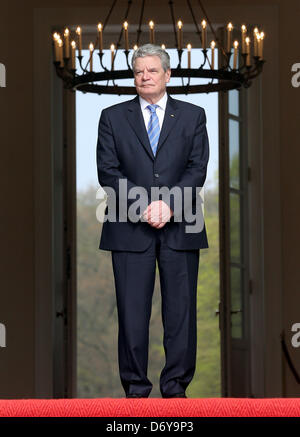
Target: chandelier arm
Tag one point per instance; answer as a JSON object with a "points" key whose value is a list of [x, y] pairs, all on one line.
{"points": [[251, 71], [204, 51], [227, 61], [70, 71], [80, 59], [251, 74], [139, 30], [100, 54], [127, 61], [247, 68], [187, 87], [243, 67], [62, 72]]}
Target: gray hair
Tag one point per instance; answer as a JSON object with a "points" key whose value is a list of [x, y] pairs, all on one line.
{"points": [[152, 50]]}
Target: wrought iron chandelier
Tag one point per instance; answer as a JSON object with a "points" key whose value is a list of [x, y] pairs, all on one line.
{"points": [[246, 64]]}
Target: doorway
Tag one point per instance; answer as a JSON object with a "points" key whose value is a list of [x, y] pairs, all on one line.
{"points": [[97, 330]]}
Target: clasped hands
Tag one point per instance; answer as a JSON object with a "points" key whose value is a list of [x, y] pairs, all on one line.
{"points": [[157, 214]]}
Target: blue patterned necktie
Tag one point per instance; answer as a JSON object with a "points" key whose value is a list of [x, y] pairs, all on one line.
{"points": [[153, 128]]}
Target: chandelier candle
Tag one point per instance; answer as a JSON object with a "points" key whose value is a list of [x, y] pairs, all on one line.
{"points": [[244, 31], [189, 48], [60, 52], [229, 30], [179, 24], [125, 26], [73, 48], [255, 32], [212, 62], [260, 45], [67, 43], [248, 60], [55, 39], [151, 26], [203, 24], [91, 56], [235, 45], [112, 48], [78, 31], [100, 28]]}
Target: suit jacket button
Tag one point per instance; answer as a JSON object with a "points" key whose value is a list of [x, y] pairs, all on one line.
{"points": [[156, 175]]}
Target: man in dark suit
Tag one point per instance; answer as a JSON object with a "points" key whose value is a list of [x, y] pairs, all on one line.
{"points": [[147, 143]]}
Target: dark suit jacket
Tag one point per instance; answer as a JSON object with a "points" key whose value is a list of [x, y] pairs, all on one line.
{"points": [[124, 151]]}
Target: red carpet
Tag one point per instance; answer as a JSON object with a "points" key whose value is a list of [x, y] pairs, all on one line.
{"points": [[109, 407]]}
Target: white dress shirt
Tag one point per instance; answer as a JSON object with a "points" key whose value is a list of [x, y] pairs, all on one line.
{"points": [[160, 111]]}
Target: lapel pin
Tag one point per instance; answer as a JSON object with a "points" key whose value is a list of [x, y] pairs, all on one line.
{"points": [[172, 115]]}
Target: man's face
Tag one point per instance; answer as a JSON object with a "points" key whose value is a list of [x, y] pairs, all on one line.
{"points": [[150, 78]]}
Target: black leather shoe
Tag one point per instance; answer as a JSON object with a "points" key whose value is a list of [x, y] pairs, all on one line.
{"points": [[177, 395], [135, 395]]}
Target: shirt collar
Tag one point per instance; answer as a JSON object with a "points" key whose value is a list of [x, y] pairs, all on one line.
{"points": [[161, 103]]}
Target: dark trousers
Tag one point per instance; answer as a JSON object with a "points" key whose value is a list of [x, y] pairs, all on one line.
{"points": [[134, 274]]}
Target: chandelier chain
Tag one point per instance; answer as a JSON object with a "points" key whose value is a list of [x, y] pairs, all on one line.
{"points": [[212, 29], [196, 25], [173, 21], [129, 3], [104, 25], [139, 31]]}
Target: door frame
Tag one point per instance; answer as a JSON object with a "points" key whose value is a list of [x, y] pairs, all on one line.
{"points": [[264, 223]]}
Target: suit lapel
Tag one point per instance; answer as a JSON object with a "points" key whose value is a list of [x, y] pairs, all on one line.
{"points": [[169, 122], [136, 120]]}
